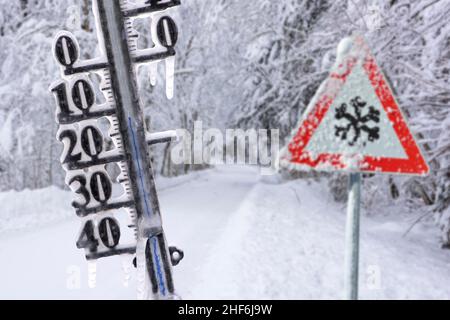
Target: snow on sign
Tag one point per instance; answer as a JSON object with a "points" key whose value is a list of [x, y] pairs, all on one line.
{"points": [[354, 122]]}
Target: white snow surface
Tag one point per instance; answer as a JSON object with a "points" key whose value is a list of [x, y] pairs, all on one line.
{"points": [[245, 237]]}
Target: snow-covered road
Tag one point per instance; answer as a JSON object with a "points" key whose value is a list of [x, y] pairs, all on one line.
{"points": [[245, 236]]}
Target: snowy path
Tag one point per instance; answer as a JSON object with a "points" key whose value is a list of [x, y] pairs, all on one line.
{"points": [[244, 237], [287, 242]]}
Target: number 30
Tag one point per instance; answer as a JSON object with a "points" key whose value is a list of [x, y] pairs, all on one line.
{"points": [[100, 185]]}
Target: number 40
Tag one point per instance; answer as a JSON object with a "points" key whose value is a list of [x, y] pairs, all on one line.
{"points": [[108, 231]]}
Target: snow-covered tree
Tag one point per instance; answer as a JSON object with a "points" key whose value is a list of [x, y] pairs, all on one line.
{"points": [[240, 63]]}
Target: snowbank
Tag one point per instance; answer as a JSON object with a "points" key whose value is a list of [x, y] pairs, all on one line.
{"points": [[244, 237], [31, 209]]}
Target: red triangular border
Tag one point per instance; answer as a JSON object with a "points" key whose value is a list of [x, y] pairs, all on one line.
{"points": [[297, 155]]}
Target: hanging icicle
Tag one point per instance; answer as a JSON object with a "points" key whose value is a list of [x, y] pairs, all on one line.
{"points": [[153, 73], [92, 274], [170, 77], [87, 156]]}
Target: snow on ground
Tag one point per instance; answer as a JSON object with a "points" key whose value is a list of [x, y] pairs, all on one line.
{"points": [[33, 209], [245, 237]]}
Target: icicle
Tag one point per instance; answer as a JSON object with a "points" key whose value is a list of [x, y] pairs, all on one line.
{"points": [[141, 274], [170, 77], [153, 73], [92, 274], [127, 263]]}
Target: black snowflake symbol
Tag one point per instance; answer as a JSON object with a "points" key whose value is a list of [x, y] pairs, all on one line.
{"points": [[357, 122]]}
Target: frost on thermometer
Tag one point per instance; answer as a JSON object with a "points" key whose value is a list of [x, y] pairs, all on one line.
{"points": [[165, 37], [105, 145], [170, 77], [168, 36]]}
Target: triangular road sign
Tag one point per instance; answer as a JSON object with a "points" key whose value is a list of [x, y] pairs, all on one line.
{"points": [[354, 122]]}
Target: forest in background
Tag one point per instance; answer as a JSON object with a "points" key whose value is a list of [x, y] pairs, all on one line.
{"points": [[246, 64]]}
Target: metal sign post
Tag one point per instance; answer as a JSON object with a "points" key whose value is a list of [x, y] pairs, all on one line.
{"points": [[352, 238], [85, 154]]}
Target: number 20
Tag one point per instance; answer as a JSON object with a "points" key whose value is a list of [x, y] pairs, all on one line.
{"points": [[91, 144]]}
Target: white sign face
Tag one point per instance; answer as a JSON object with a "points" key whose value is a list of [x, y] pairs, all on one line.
{"points": [[354, 122]]}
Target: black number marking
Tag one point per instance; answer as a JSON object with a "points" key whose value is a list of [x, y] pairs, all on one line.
{"points": [[66, 51], [82, 190], [87, 238], [101, 187], [153, 2], [72, 137], [83, 95], [60, 93], [109, 231], [92, 142], [167, 32]]}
